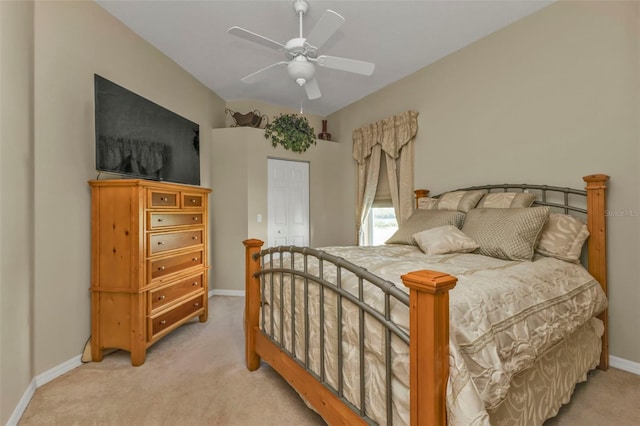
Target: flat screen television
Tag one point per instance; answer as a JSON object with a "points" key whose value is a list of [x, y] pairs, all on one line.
{"points": [[139, 138]]}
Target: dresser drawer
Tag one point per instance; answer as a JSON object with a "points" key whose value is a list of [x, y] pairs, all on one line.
{"points": [[164, 220], [158, 268], [191, 200], [166, 199], [180, 312], [165, 295], [159, 243]]}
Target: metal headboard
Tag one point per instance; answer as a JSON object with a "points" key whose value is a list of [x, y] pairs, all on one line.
{"points": [[556, 197]]}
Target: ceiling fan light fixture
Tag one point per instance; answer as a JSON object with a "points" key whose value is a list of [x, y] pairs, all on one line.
{"points": [[301, 70]]}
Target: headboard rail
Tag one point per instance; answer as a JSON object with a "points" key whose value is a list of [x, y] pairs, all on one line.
{"points": [[553, 196]]}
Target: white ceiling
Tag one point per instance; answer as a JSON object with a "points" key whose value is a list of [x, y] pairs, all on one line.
{"points": [[400, 37]]}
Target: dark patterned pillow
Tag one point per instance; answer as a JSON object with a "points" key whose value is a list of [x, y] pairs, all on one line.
{"points": [[510, 234], [424, 219]]}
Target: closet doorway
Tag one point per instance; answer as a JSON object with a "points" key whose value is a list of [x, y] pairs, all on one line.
{"points": [[288, 202]]}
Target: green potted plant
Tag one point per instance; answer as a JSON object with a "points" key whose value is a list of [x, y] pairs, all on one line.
{"points": [[292, 131]]}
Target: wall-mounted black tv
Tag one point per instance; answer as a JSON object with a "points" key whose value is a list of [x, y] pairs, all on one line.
{"points": [[138, 138]]}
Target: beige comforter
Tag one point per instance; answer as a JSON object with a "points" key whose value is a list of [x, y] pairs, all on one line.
{"points": [[503, 315]]}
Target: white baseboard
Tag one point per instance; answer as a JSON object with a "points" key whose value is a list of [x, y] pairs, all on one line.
{"points": [[235, 293], [623, 364], [59, 370], [39, 380], [22, 404]]}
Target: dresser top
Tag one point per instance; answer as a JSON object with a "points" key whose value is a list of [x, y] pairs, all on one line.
{"points": [[147, 184]]}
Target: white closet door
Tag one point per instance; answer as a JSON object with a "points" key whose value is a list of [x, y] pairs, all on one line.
{"points": [[288, 203]]}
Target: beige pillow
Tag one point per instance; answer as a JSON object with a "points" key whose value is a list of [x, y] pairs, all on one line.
{"points": [[563, 237], [456, 200], [427, 203], [505, 200], [444, 239], [510, 234], [424, 219]]}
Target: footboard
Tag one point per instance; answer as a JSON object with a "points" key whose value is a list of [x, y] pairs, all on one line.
{"points": [[357, 302]]}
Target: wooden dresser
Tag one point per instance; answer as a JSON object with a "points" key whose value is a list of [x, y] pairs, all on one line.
{"points": [[149, 257]]}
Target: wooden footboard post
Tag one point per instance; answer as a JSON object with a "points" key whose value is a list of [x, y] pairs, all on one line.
{"points": [[252, 302], [597, 247], [428, 345]]}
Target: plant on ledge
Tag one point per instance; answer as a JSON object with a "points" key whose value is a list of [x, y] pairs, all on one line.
{"points": [[292, 131]]}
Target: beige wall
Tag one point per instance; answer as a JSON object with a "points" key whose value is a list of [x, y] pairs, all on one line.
{"points": [[16, 203], [74, 40], [548, 99], [239, 180]]}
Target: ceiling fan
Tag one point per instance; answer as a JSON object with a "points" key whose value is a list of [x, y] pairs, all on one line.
{"points": [[301, 53]]}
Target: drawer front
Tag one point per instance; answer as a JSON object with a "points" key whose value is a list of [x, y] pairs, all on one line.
{"points": [[163, 220], [159, 243], [182, 311], [191, 200], [165, 295], [163, 198], [161, 267]]}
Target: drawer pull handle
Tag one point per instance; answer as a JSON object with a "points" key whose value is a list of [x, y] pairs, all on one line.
{"points": [[164, 199], [194, 237], [195, 259], [161, 297], [195, 218], [196, 304], [193, 200], [163, 322], [195, 283], [161, 268], [160, 243], [160, 220]]}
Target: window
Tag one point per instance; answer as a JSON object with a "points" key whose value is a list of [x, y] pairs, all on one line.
{"points": [[381, 224]]}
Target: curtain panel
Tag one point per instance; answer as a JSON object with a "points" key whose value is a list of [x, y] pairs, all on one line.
{"points": [[394, 138]]}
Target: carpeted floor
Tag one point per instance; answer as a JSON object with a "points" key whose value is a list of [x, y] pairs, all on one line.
{"points": [[196, 376]]}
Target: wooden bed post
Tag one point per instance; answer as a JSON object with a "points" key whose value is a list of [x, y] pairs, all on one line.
{"points": [[428, 345], [252, 302], [420, 193], [597, 247]]}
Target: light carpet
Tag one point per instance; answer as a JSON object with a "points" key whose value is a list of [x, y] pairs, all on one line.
{"points": [[196, 376]]}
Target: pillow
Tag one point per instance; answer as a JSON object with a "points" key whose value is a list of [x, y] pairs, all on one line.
{"points": [[510, 234], [457, 200], [563, 237], [444, 239], [504, 200], [424, 219], [427, 203]]}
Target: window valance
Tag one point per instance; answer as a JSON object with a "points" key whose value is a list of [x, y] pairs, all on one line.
{"points": [[392, 134]]}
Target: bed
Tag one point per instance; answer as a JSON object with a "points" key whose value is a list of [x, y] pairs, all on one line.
{"points": [[408, 333]]}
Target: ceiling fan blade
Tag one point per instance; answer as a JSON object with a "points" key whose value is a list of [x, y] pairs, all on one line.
{"points": [[344, 64], [313, 89], [325, 28], [253, 77], [256, 38]]}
